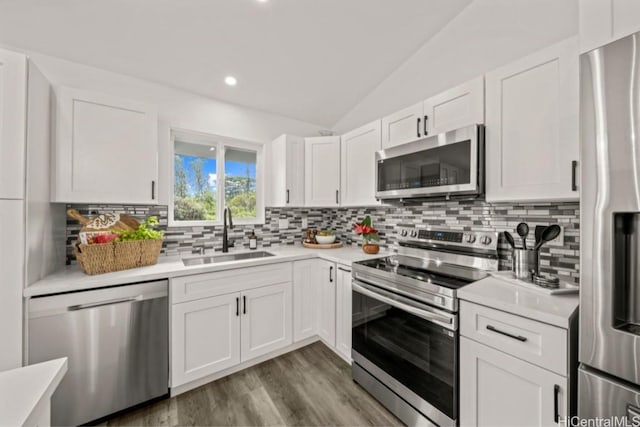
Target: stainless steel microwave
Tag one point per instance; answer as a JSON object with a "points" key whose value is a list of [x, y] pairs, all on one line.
{"points": [[449, 164]]}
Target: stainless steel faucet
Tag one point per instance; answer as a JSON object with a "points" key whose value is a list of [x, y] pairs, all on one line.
{"points": [[225, 237]]}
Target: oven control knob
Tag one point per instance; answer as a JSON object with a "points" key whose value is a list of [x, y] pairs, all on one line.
{"points": [[485, 240], [403, 233], [471, 238], [414, 233]]}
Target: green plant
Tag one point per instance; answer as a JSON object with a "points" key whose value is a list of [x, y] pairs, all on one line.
{"points": [[144, 232]]}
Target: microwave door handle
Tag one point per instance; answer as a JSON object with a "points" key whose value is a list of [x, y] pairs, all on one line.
{"points": [[426, 315]]}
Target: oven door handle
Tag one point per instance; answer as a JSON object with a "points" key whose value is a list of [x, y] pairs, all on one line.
{"points": [[445, 320]]}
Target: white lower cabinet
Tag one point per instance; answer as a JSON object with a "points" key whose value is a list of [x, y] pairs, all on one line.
{"points": [[501, 390], [343, 313], [217, 332], [205, 337], [266, 320], [327, 302], [305, 297]]}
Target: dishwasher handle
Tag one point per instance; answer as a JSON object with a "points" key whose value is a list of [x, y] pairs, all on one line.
{"points": [[103, 303]]}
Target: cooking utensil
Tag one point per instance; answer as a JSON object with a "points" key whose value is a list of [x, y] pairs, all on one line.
{"points": [[548, 234], [538, 233], [523, 231], [509, 238], [104, 222]]}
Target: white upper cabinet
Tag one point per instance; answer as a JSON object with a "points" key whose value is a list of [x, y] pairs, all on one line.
{"points": [[602, 21], [532, 144], [13, 121], [358, 174], [106, 149], [457, 107], [322, 171], [403, 126], [287, 171], [460, 106]]}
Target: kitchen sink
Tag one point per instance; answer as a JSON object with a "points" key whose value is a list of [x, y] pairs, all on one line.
{"points": [[210, 259]]}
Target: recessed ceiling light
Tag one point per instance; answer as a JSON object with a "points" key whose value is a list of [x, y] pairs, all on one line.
{"points": [[230, 81], [262, 1], [212, 148]]}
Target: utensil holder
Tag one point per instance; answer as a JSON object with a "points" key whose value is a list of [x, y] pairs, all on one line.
{"points": [[526, 261]]}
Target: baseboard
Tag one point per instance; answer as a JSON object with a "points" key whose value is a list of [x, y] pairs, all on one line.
{"points": [[205, 380]]}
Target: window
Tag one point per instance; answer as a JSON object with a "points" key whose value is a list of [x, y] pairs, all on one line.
{"points": [[211, 173]]}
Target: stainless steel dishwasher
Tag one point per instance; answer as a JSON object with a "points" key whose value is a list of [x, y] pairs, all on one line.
{"points": [[116, 340]]}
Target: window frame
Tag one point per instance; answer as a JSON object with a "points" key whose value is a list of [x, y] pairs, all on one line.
{"points": [[221, 143]]}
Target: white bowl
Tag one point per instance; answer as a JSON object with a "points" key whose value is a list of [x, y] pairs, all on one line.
{"points": [[325, 240]]}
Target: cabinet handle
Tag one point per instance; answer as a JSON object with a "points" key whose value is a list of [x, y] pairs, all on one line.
{"points": [[574, 167], [418, 127], [153, 190], [344, 269], [424, 126], [337, 197], [507, 334], [244, 304], [287, 196], [237, 306], [331, 274], [556, 392]]}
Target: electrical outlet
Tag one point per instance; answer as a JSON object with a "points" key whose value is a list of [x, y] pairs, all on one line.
{"points": [[283, 224], [305, 223], [558, 241]]}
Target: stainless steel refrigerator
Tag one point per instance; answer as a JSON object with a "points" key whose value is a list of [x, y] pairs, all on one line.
{"points": [[609, 375]]}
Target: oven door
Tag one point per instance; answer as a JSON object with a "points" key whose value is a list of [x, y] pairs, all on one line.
{"points": [[410, 347], [449, 163]]}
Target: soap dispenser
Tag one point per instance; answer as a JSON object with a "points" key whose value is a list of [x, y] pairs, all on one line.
{"points": [[253, 241]]}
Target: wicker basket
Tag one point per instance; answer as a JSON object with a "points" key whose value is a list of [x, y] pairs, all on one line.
{"points": [[115, 256]]}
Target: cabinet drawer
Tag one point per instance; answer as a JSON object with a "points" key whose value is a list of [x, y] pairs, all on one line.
{"points": [[541, 344], [197, 286]]}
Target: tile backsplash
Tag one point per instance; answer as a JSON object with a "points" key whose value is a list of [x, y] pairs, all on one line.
{"points": [[457, 215]]}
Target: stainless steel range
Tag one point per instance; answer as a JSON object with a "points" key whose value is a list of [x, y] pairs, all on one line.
{"points": [[405, 320]]}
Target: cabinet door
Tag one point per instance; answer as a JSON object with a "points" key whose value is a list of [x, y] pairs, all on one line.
{"points": [[322, 171], [295, 171], [403, 126], [532, 127], [205, 337], [327, 303], [458, 107], [287, 171], [603, 21], [13, 111], [305, 297], [12, 282], [358, 176], [497, 389], [266, 320], [343, 313], [106, 149]]}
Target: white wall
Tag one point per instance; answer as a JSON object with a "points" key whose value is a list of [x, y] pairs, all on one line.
{"points": [[176, 109], [485, 35]]}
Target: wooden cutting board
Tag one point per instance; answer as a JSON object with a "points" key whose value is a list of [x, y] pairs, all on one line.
{"points": [[105, 222], [334, 245]]}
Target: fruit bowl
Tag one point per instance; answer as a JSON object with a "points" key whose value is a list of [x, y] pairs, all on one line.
{"points": [[325, 240]]}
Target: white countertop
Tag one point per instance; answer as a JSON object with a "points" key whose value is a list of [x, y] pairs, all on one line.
{"points": [[73, 279], [555, 310], [22, 390]]}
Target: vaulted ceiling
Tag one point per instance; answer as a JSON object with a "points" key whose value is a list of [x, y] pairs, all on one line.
{"points": [[311, 60]]}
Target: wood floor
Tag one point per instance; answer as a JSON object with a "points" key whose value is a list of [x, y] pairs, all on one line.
{"points": [[308, 387]]}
